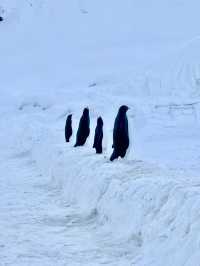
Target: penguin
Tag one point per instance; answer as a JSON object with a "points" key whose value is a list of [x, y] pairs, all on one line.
{"points": [[1, 18], [83, 129], [68, 128], [98, 136], [120, 134]]}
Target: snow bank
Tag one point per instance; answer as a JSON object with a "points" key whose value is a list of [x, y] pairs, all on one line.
{"points": [[154, 209]]}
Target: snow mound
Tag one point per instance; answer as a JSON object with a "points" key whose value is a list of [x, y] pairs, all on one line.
{"points": [[153, 209]]}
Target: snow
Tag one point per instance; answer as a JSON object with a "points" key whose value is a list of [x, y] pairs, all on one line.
{"points": [[65, 206]]}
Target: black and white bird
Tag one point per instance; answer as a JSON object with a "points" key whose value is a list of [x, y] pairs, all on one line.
{"points": [[83, 129], [98, 136], [120, 134], [68, 128]]}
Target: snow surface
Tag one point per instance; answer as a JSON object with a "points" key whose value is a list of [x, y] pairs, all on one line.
{"points": [[65, 206]]}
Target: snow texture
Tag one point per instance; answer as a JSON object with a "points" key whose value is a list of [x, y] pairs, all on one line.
{"points": [[61, 205]]}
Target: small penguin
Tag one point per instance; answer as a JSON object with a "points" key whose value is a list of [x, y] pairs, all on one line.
{"points": [[98, 136], [1, 18], [120, 134], [68, 128], [83, 129]]}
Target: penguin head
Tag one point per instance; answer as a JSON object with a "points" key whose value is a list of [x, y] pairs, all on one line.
{"points": [[123, 109], [86, 111], [100, 121], [69, 117]]}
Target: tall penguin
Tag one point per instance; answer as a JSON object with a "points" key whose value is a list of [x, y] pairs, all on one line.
{"points": [[120, 134], [68, 128], [98, 137], [83, 129]]}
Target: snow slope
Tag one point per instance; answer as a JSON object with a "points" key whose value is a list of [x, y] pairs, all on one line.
{"points": [[82, 42], [57, 58]]}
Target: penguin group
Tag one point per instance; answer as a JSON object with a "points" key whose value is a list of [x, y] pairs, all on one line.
{"points": [[120, 132]]}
